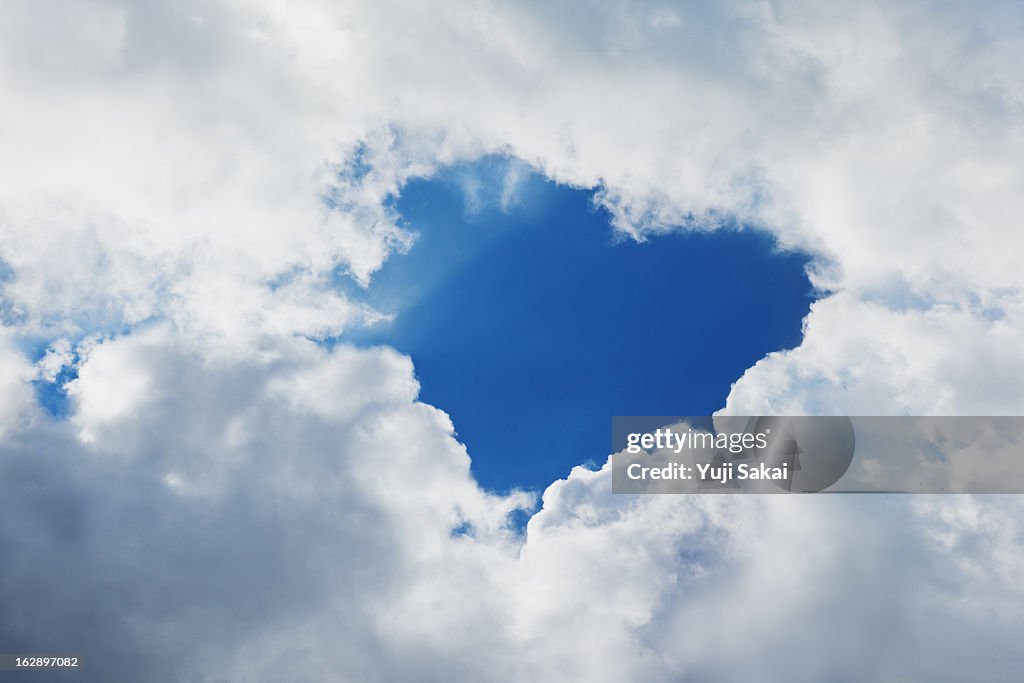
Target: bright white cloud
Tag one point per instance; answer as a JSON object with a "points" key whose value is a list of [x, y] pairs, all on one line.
{"points": [[174, 161], [199, 173], [869, 357]]}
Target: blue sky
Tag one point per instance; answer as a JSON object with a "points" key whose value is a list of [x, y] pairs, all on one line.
{"points": [[531, 322]]}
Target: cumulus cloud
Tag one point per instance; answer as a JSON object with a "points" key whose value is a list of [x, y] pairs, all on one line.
{"points": [[864, 357], [16, 400], [183, 184], [231, 529], [182, 161]]}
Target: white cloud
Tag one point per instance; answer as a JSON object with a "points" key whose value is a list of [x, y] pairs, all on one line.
{"points": [[870, 357], [16, 400], [227, 529], [198, 173], [172, 161]]}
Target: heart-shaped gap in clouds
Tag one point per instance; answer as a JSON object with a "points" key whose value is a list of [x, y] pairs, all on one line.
{"points": [[531, 322]]}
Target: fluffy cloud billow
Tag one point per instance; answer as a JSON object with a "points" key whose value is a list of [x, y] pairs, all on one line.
{"points": [[183, 185], [230, 528]]}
